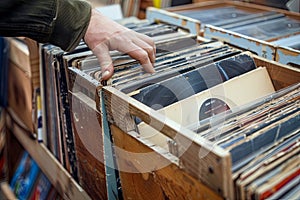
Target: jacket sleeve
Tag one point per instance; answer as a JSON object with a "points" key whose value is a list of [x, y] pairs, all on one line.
{"points": [[59, 22]]}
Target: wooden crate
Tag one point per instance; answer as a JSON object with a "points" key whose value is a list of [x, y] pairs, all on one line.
{"points": [[288, 56], [259, 47], [162, 16], [191, 167]]}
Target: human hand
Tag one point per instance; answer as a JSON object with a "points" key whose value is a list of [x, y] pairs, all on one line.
{"points": [[104, 35]]}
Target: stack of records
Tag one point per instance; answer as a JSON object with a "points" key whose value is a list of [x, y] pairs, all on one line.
{"points": [[263, 140]]}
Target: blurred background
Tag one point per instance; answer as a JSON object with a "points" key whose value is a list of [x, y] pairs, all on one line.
{"points": [[138, 8]]}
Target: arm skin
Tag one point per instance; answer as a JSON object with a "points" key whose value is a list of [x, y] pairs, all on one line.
{"points": [[65, 22]]}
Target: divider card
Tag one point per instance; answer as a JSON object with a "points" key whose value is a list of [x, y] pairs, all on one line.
{"points": [[228, 95]]}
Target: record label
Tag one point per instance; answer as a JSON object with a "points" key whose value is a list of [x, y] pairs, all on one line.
{"points": [[212, 106]]}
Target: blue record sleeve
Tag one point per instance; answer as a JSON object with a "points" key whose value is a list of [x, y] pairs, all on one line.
{"points": [[42, 188], [24, 177]]}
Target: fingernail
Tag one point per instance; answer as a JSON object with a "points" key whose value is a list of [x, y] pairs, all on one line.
{"points": [[105, 74]]}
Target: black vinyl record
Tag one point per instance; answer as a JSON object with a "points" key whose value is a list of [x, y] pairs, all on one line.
{"points": [[189, 83], [235, 66]]}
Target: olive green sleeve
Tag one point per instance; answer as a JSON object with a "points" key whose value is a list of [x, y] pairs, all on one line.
{"points": [[59, 22]]}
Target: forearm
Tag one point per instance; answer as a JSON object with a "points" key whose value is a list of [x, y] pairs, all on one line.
{"points": [[60, 22]]}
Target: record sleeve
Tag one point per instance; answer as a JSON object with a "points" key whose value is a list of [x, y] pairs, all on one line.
{"points": [[24, 177], [263, 137], [42, 188], [171, 70]]}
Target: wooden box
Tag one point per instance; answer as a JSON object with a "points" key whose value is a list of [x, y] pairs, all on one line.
{"points": [[263, 48], [288, 56], [190, 167]]}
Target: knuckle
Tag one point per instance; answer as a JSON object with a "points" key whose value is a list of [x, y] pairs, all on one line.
{"points": [[143, 57]]}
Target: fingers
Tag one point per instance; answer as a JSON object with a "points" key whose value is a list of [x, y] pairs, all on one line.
{"points": [[142, 55], [105, 61], [150, 50], [142, 50]]}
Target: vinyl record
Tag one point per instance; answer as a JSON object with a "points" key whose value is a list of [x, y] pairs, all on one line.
{"points": [[235, 66], [211, 107]]}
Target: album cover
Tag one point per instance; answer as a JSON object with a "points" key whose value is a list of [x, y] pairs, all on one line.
{"points": [[272, 152], [270, 181], [50, 103], [243, 115], [24, 177], [64, 114], [221, 97], [55, 92], [288, 191], [215, 100], [262, 137], [42, 188]]}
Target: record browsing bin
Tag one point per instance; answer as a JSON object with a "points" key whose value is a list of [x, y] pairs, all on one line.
{"points": [[173, 171], [173, 161]]}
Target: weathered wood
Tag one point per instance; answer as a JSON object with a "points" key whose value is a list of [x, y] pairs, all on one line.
{"points": [[158, 15], [89, 145], [19, 55], [281, 75], [288, 56], [151, 174], [57, 175], [34, 59], [7, 192], [20, 94]]}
